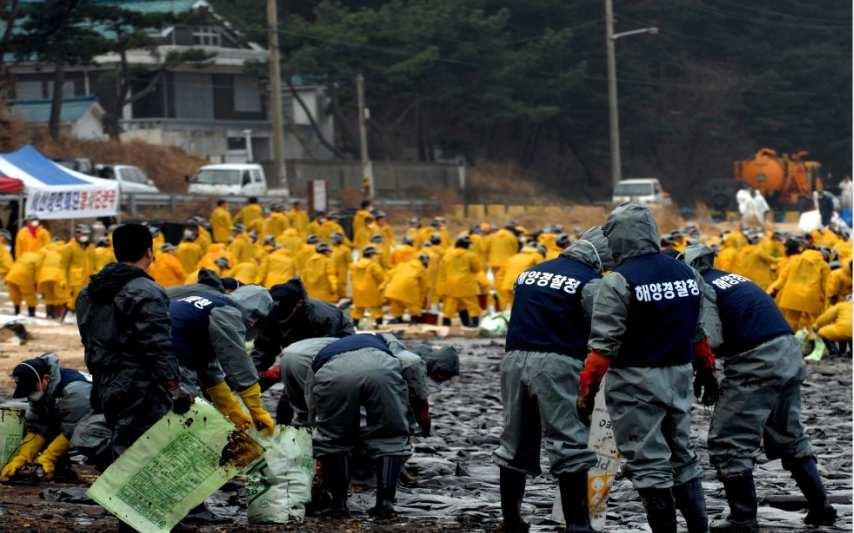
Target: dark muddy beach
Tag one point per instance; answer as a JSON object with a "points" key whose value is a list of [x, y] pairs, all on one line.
{"points": [[453, 484]]}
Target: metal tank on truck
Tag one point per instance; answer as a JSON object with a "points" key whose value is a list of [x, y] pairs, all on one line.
{"points": [[786, 181]]}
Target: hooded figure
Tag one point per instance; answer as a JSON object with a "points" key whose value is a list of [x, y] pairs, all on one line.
{"points": [[209, 334], [546, 346], [58, 400], [646, 327], [760, 399]]}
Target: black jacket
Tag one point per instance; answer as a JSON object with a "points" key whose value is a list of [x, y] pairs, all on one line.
{"points": [[315, 319], [123, 318]]}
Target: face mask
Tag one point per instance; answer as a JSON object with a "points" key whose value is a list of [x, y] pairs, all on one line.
{"points": [[34, 224], [83, 240]]}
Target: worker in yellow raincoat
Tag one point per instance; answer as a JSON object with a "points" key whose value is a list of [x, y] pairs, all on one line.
{"points": [[6, 259], [220, 266], [561, 243], [406, 290], [276, 222], [221, 222], [201, 228], [32, 237], [383, 250], [189, 252], [801, 287], [103, 255], [457, 283], [157, 239], [755, 264], [79, 268], [413, 231], [517, 263], [241, 246], [52, 278], [250, 215], [835, 323], [290, 240], [403, 252], [362, 236], [166, 268], [298, 218], [839, 283], [478, 244], [384, 228], [216, 251], [726, 256], [771, 243], [246, 272], [280, 268], [306, 250], [319, 277], [361, 219], [432, 271], [501, 245], [368, 279], [21, 281], [342, 257]]}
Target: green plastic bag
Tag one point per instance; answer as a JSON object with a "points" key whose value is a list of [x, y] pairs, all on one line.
{"points": [[173, 467], [11, 432], [279, 486], [494, 324]]}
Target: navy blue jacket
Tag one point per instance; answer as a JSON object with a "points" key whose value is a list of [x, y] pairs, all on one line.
{"points": [[663, 312], [190, 320], [749, 317], [547, 314], [349, 344]]}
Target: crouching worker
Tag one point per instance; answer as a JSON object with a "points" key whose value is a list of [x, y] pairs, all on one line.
{"points": [[760, 398], [209, 333], [546, 346], [351, 373], [59, 399]]}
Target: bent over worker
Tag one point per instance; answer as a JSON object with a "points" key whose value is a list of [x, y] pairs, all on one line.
{"points": [[58, 399], [760, 400], [209, 334], [646, 328], [546, 346]]}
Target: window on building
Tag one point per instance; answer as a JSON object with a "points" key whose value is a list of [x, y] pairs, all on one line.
{"points": [[247, 97], [206, 36], [29, 90]]}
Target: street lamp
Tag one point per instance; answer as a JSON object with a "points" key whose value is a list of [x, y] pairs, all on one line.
{"points": [[613, 113]]}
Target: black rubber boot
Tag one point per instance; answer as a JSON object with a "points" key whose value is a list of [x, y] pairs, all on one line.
{"points": [[573, 499], [446, 321], [388, 474], [17, 309], [31, 311], [475, 321], [512, 490], [691, 503], [336, 479], [741, 496], [49, 311], [805, 473], [464, 318], [660, 509]]}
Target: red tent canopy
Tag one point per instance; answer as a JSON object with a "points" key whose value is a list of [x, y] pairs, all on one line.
{"points": [[10, 185]]}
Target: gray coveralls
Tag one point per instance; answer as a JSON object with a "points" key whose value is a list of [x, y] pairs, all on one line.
{"points": [[539, 388], [295, 363], [59, 413], [649, 406], [366, 378]]}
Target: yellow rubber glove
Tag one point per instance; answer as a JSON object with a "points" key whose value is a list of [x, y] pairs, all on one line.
{"points": [[27, 451], [221, 396], [47, 460], [263, 421]]}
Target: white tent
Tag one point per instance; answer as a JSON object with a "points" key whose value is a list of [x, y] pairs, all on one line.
{"points": [[56, 192]]}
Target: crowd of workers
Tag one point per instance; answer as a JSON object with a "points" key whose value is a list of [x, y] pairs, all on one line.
{"points": [[162, 324]]}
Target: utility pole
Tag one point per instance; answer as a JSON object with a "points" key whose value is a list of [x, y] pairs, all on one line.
{"points": [[613, 108], [613, 111], [367, 166], [276, 111]]}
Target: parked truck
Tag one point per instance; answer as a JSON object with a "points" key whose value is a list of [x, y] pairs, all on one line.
{"points": [[787, 181]]}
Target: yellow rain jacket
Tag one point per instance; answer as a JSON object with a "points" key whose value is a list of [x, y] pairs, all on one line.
{"points": [[320, 279], [299, 220], [458, 274], [359, 220], [215, 251], [23, 273], [342, 257], [839, 283], [79, 268], [204, 238], [167, 270], [103, 256], [516, 264], [408, 283], [501, 245], [31, 241], [51, 277], [221, 224], [245, 272], [281, 268], [242, 248], [249, 215], [290, 240], [802, 283], [368, 279], [6, 260], [275, 224], [835, 323], [402, 253], [755, 264], [189, 253]]}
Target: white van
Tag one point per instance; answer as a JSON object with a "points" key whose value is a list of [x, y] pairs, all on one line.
{"points": [[130, 178], [241, 179], [645, 191]]}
